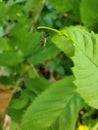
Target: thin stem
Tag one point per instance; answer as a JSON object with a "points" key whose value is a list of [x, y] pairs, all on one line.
{"points": [[52, 29], [38, 14], [18, 83], [35, 71], [57, 31]]}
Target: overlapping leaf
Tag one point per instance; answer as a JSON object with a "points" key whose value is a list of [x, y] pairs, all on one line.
{"points": [[68, 118], [48, 106], [63, 44], [47, 53], [30, 44], [86, 64]]}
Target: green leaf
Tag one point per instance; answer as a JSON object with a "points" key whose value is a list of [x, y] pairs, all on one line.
{"points": [[15, 114], [27, 95], [86, 64], [14, 125], [68, 118], [47, 53], [3, 10], [95, 127], [27, 42], [4, 46], [64, 5], [31, 8], [89, 12], [49, 105], [37, 85], [10, 58], [18, 103], [30, 45], [63, 44], [13, 2], [15, 11]]}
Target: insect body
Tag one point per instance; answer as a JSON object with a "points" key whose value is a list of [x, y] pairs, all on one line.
{"points": [[43, 42], [44, 39]]}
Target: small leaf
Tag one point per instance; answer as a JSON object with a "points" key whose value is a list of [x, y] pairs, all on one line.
{"points": [[18, 103]]}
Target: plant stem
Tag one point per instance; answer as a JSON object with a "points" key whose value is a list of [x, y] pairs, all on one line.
{"points": [[38, 14], [52, 29]]}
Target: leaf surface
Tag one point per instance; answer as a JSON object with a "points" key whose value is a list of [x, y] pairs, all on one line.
{"points": [[37, 85], [85, 64], [48, 106], [63, 44], [89, 12], [68, 118], [47, 53], [10, 58]]}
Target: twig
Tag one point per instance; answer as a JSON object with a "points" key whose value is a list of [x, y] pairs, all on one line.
{"points": [[36, 73], [38, 14], [18, 83]]}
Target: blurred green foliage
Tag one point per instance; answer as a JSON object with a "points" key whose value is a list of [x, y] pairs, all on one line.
{"points": [[32, 61]]}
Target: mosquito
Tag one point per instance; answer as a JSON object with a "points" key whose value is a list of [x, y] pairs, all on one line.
{"points": [[44, 39]]}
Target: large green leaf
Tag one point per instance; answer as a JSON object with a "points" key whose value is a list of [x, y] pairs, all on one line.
{"points": [[86, 64], [89, 12], [68, 118], [48, 106]]}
